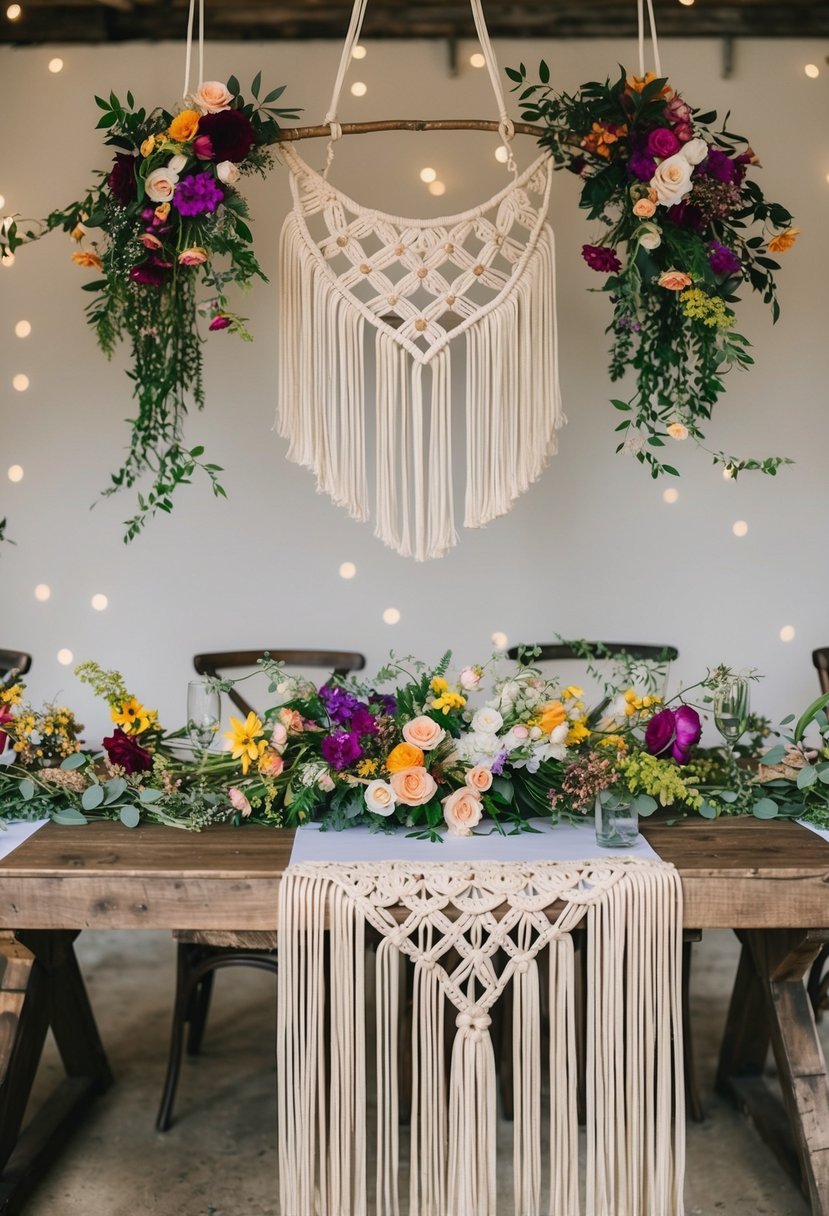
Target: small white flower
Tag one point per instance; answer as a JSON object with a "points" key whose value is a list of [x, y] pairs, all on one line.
{"points": [[535, 732], [648, 236], [177, 163], [470, 678], [227, 172], [380, 798], [634, 442], [694, 151], [160, 185], [559, 733], [487, 721]]}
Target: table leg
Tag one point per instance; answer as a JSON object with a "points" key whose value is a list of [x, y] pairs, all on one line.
{"points": [[770, 1006], [41, 987]]}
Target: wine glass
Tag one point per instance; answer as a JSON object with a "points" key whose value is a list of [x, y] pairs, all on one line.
{"points": [[203, 713], [731, 702]]}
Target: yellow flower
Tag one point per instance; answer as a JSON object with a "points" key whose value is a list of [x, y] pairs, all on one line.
{"points": [[439, 684], [572, 692], [366, 768], [577, 732], [89, 261], [449, 701], [162, 211], [783, 240], [405, 755], [184, 126], [131, 716], [245, 739], [552, 715], [78, 232], [12, 695], [148, 145], [615, 741]]}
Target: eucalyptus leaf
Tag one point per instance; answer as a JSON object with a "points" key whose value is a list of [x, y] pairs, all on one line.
{"points": [[708, 811], [114, 789], [727, 795], [69, 816], [130, 816], [27, 789], [806, 777], [76, 760], [775, 755], [766, 808], [643, 804], [150, 795], [92, 797]]}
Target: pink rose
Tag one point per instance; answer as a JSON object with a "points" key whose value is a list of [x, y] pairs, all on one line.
{"points": [[219, 322], [423, 732], [212, 96], [662, 142], [413, 786], [194, 256], [470, 678], [520, 731], [462, 811], [149, 241], [279, 736], [479, 778], [238, 801]]}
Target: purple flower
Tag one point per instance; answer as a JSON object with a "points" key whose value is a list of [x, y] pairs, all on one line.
{"points": [[340, 705], [363, 722], [387, 703], [722, 260], [341, 749], [197, 194], [641, 165], [599, 257], [660, 732], [662, 142], [720, 166], [688, 731], [497, 766]]}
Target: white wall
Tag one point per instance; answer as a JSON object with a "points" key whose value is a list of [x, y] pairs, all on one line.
{"points": [[591, 550]]}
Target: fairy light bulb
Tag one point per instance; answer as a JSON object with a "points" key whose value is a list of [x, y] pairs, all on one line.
{"points": [[359, 88], [391, 616], [20, 382], [812, 71], [499, 640], [359, 52], [99, 602], [740, 527], [65, 657], [437, 188], [348, 570], [670, 495], [13, 12], [428, 175], [55, 65], [787, 633], [15, 472], [22, 329], [43, 592], [477, 60]]}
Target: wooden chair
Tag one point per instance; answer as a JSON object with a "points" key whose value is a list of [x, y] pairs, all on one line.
{"points": [[552, 652], [14, 660], [817, 985], [201, 953], [820, 658]]}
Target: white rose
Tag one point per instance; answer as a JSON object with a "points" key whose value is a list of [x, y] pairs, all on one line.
{"points": [[694, 151], [177, 163], [648, 236], [462, 811], [482, 745], [535, 732], [560, 733], [672, 179], [380, 798], [227, 172], [470, 678], [487, 721], [160, 185], [212, 96]]}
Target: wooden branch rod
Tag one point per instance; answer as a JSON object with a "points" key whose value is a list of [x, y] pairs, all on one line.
{"points": [[408, 124]]}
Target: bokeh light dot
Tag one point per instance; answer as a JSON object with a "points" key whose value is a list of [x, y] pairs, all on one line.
{"points": [[499, 640], [43, 592], [391, 616], [687, 3], [812, 71], [16, 472], [13, 12], [2, 201], [22, 329], [437, 188], [728, 474], [7, 259], [359, 52], [501, 154], [65, 657], [348, 570], [477, 60], [99, 602], [740, 527], [20, 382], [787, 633], [359, 88], [670, 495], [55, 65], [428, 175]]}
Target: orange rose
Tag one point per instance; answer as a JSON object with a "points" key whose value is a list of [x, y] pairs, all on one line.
{"points": [[675, 280], [783, 240], [184, 126], [413, 786], [479, 778], [271, 764], [89, 261], [423, 732], [405, 755], [551, 716], [644, 208]]}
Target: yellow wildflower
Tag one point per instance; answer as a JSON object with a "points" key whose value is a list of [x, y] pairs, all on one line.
{"points": [[12, 695], [614, 741], [439, 684], [246, 740], [449, 701], [405, 755], [577, 732], [572, 692], [148, 145], [367, 768], [131, 716]]}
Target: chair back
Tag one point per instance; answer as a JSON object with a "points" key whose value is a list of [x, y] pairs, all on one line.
{"points": [[338, 662], [552, 652], [14, 660], [820, 658]]}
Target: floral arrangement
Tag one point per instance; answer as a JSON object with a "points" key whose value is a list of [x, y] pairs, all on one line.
{"points": [[488, 748], [166, 221], [686, 228]]}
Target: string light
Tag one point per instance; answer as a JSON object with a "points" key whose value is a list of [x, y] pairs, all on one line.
{"points": [[15, 473], [55, 65], [22, 329], [2, 200], [812, 71], [437, 188], [99, 602], [65, 657], [687, 3], [359, 52], [501, 154], [787, 633], [728, 474], [20, 382], [13, 12], [428, 175], [7, 259], [359, 88], [391, 616], [740, 528], [477, 60], [499, 640], [348, 570], [43, 592], [670, 495]]}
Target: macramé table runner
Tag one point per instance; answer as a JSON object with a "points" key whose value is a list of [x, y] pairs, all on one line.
{"points": [[476, 934]]}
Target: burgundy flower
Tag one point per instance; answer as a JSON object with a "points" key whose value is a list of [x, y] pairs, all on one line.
{"points": [[660, 732], [230, 134], [341, 749], [127, 752], [662, 142], [122, 177], [600, 258], [219, 322], [641, 165], [688, 731], [148, 273], [577, 165], [685, 215], [198, 193], [722, 260]]}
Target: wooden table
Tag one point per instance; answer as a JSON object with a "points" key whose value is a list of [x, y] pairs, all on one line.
{"points": [[768, 881]]}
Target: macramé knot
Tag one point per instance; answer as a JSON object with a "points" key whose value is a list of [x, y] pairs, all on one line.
{"points": [[522, 964], [475, 1022]]}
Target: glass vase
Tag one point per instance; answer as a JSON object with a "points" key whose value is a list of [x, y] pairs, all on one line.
{"points": [[617, 825]]}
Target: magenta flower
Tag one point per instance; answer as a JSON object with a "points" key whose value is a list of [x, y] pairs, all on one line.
{"points": [[723, 260], [341, 749], [641, 165], [197, 194], [662, 142], [219, 322], [363, 722], [600, 258], [673, 733], [203, 147], [720, 166]]}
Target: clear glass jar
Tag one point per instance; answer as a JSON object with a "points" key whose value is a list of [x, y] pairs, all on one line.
{"points": [[617, 823]]}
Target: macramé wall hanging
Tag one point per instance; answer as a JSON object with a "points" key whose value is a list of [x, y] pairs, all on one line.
{"points": [[478, 285]]}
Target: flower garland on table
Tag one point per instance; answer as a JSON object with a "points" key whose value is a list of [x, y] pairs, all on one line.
{"points": [[164, 221], [686, 228], [421, 756]]}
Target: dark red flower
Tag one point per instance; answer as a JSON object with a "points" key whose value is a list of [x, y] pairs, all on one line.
{"points": [[230, 134], [149, 274], [122, 177], [127, 752], [600, 258], [6, 716]]}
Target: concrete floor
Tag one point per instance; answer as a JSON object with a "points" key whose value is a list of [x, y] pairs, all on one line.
{"points": [[219, 1159]]}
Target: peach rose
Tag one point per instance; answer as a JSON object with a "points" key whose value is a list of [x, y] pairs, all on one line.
{"points": [[195, 256], [212, 96], [413, 786], [424, 733], [677, 430], [479, 778], [184, 126], [238, 801], [160, 185], [292, 720], [644, 208], [405, 755], [149, 240], [271, 764], [675, 280], [161, 212], [89, 261], [462, 811], [672, 179]]}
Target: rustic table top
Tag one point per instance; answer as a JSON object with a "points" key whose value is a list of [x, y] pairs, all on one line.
{"points": [[737, 873]]}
